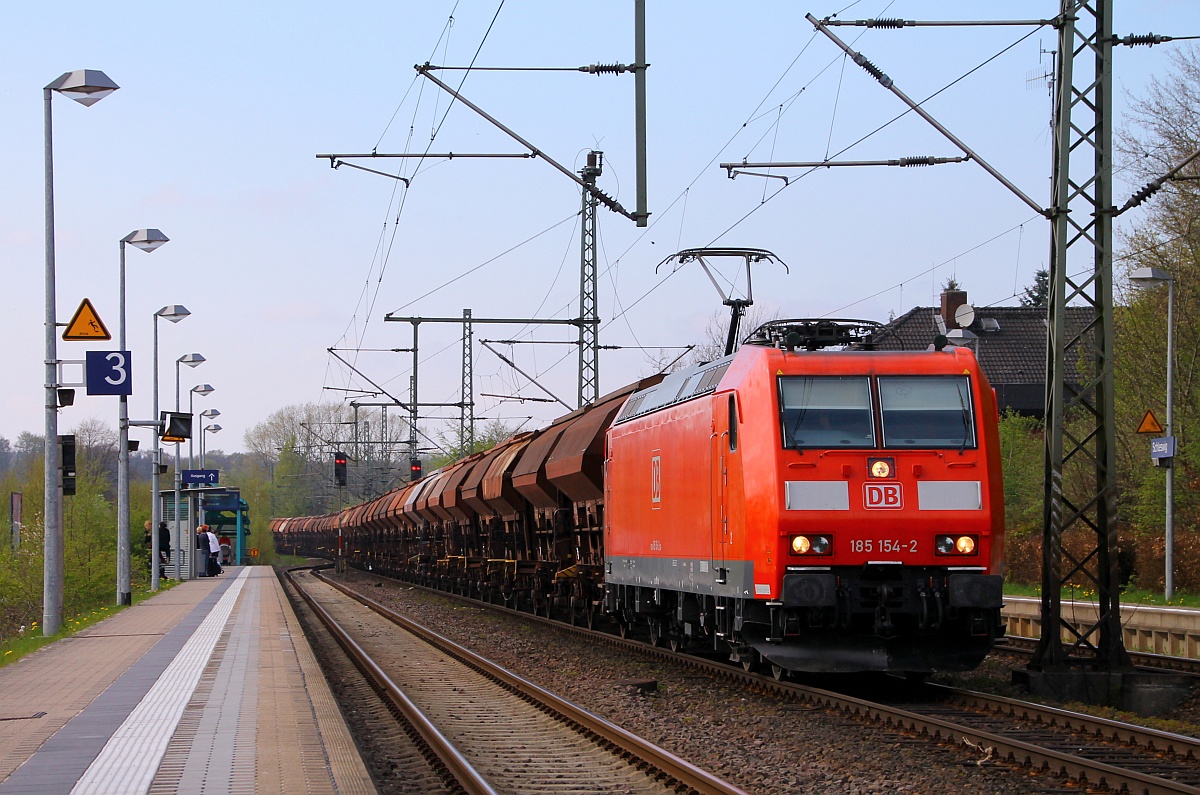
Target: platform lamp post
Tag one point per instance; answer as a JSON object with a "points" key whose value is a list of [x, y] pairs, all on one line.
{"points": [[1150, 277], [87, 87], [208, 413], [147, 240], [191, 360], [203, 390], [214, 428], [173, 313]]}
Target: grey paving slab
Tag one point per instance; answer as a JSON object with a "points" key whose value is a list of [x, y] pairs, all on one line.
{"points": [[62, 760]]}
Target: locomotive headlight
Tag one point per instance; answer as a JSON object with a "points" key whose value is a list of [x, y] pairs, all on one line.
{"points": [[811, 545], [955, 545], [881, 467]]}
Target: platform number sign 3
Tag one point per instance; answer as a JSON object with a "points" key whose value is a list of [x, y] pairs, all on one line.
{"points": [[109, 373]]}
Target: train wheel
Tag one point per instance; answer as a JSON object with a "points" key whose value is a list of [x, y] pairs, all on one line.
{"points": [[591, 616], [777, 672], [674, 643], [656, 633], [573, 611], [623, 629]]}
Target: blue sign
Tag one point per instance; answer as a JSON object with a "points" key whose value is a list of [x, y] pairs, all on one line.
{"points": [[206, 477], [109, 373], [1163, 447], [223, 502]]}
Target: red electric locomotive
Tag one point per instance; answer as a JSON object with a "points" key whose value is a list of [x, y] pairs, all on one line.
{"points": [[805, 502], [823, 510]]}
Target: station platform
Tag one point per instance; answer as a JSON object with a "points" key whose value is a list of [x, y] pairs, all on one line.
{"points": [[207, 687], [1173, 631]]}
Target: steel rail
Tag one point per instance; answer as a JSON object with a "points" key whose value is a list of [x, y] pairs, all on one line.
{"points": [[682, 771], [1144, 660], [1015, 751], [471, 781], [1154, 739]]}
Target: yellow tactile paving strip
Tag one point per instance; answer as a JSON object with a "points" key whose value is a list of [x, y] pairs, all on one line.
{"points": [[64, 677]]}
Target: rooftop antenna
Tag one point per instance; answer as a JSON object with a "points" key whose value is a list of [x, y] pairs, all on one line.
{"points": [[1043, 76]]}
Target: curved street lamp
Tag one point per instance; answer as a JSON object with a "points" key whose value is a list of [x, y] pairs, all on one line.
{"points": [[147, 240], [173, 313], [203, 390], [214, 428], [87, 87], [191, 360]]}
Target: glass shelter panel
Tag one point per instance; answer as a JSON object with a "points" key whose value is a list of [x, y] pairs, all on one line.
{"points": [[927, 411], [826, 411]]}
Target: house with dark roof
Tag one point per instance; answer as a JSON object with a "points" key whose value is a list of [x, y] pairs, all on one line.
{"points": [[1009, 342]]}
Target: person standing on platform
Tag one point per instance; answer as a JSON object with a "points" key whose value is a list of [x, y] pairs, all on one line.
{"points": [[201, 552], [214, 552], [164, 548]]}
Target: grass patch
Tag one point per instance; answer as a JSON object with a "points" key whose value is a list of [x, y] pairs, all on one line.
{"points": [[1129, 596], [13, 649]]}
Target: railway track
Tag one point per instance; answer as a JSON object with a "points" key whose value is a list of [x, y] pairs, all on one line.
{"points": [[1086, 750], [1024, 647], [488, 730]]}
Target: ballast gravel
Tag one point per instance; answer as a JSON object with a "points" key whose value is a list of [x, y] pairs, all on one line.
{"points": [[761, 743]]}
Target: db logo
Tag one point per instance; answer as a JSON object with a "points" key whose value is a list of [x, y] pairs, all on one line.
{"points": [[882, 495]]}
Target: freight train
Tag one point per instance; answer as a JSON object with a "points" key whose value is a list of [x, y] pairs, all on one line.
{"points": [[806, 503]]}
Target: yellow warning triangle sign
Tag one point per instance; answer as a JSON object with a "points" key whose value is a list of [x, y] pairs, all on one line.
{"points": [[86, 325], [1150, 424]]}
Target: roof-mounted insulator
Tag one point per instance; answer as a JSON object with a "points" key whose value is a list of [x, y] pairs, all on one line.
{"points": [[874, 70], [606, 68], [1149, 39], [921, 160], [887, 23]]}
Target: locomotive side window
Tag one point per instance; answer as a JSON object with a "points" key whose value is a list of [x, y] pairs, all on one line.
{"points": [[927, 411], [826, 411], [733, 420]]}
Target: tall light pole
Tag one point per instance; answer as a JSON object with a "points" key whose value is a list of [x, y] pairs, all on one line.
{"points": [[1149, 277], [191, 360], [147, 240], [207, 414], [87, 87], [203, 390], [214, 428], [173, 313]]}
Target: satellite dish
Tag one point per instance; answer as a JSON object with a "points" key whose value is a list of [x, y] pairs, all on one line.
{"points": [[964, 315]]}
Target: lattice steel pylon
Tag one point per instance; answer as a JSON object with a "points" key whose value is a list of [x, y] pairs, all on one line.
{"points": [[1080, 443], [466, 416], [589, 321]]}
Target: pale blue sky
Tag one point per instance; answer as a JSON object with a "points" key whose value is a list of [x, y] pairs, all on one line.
{"points": [[223, 106]]}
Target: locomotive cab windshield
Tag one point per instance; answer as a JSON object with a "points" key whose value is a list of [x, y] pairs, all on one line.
{"points": [[826, 411], [837, 412], [930, 411]]}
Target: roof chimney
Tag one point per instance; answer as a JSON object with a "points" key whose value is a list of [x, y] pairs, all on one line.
{"points": [[952, 299]]}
